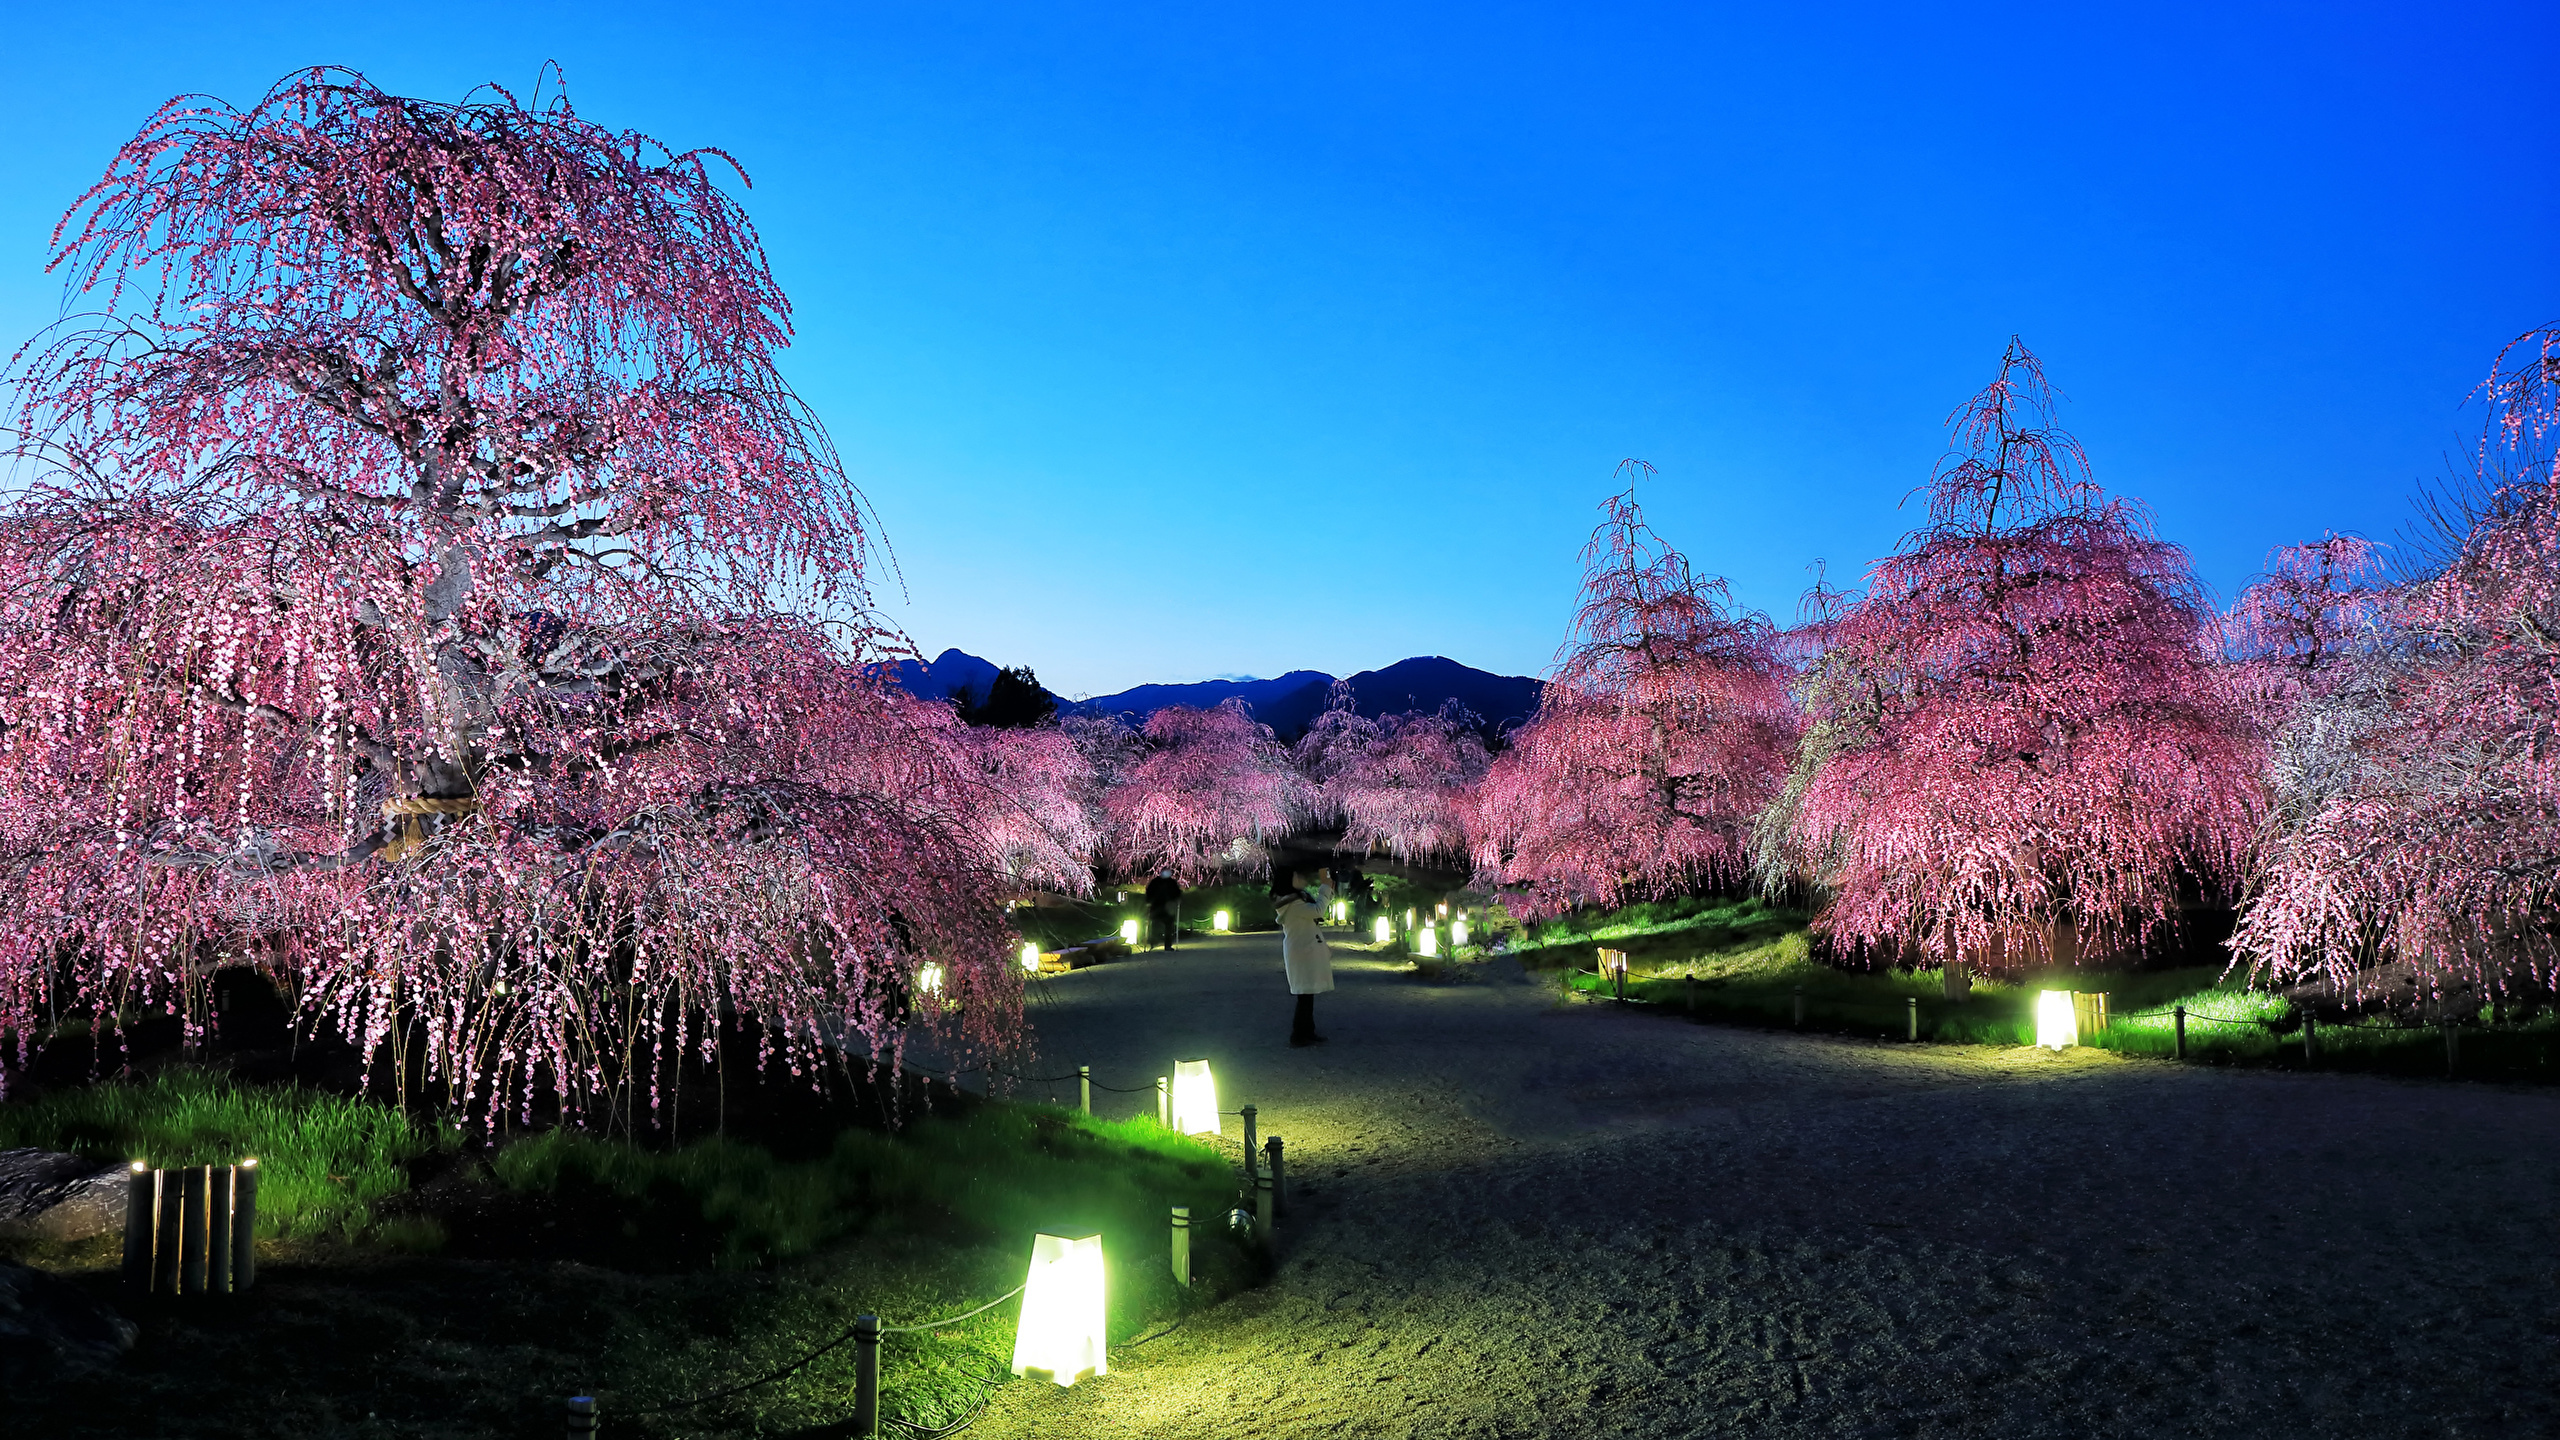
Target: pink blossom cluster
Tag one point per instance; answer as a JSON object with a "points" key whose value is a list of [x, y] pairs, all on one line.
{"points": [[428, 590], [1663, 733], [2415, 847], [1401, 785]]}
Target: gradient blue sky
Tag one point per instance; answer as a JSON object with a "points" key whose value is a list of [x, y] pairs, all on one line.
{"points": [[1170, 343]]}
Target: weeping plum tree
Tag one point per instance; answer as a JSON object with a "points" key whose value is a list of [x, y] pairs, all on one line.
{"points": [[421, 582], [1401, 784], [1665, 729], [2018, 751], [1202, 791], [1038, 803], [2416, 849]]}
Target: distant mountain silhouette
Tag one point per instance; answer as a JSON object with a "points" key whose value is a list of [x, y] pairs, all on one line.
{"points": [[1425, 682], [1286, 703], [1289, 703], [946, 675]]}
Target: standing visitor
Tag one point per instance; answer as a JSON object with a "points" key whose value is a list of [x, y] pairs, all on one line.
{"points": [[1164, 893], [1304, 956]]}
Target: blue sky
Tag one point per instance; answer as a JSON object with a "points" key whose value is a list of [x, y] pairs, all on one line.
{"points": [[1171, 343]]}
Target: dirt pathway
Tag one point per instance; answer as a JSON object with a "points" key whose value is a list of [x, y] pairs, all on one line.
{"points": [[1520, 1219]]}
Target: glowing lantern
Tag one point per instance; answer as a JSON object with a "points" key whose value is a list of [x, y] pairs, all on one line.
{"points": [[1458, 931], [1060, 1335], [2056, 1024], [1129, 933], [929, 979], [1341, 912], [1408, 917], [1031, 956], [1195, 1098], [1385, 930], [1430, 939], [1442, 909], [1220, 921]]}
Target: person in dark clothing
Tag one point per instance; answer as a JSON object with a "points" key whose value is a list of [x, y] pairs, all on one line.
{"points": [[1164, 893]]}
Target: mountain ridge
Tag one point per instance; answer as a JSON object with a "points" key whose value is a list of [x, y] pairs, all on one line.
{"points": [[1287, 703]]}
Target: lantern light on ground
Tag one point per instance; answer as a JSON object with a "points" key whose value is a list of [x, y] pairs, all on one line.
{"points": [[929, 979], [1384, 930], [1430, 940], [1458, 931], [1195, 1098], [1060, 1335], [2056, 1025], [1031, 955], [1129, 933], [1221, 921]]}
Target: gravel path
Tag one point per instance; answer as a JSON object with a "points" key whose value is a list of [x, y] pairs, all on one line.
{"points": [[1516, 1218]]}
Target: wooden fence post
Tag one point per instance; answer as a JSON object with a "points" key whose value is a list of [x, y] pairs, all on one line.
{"points": [[1799, 1007], [1273, 1151], [1182, 1245], [866, 1377], [167, 1254], [1913, 1004], [244, 1225], [139, 1186], [2182, 1032], [217, 1235], [1084, 1088]]}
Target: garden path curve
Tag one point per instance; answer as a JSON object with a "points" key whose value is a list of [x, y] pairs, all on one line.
{"points": [[1521, 1218]]}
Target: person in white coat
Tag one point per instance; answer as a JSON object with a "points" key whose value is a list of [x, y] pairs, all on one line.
{"points": [[1303, 954]]}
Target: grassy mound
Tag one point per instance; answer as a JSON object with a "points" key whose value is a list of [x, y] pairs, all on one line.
{"points": [[1743, 961], [414, 1281], [326, 1161]]}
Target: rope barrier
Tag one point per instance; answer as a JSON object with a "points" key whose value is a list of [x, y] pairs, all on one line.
{"points": [[977, 1406], [803, 1362], [951, 1320]]}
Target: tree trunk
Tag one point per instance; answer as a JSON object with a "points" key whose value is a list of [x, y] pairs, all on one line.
{"points": [[1959, 981]]}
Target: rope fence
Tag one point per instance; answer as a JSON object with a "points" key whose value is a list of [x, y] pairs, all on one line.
{"points": [[2306, 1025], [866, 1328], [1263, 1196]]}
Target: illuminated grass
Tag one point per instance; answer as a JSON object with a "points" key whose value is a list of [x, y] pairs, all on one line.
{"points": [[325, 1161], [1735, 961]]}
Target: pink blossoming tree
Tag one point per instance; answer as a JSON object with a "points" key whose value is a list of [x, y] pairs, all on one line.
{"points": [[426, 587], [1207, 789], [2416, 853], [1664, 730], [2018, 750], [1403, 785]]}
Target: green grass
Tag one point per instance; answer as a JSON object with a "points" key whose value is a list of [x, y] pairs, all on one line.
{"points": [[1742, 961], [975, 1187], [706, 1264], [324, 1161], [999, 1170]]}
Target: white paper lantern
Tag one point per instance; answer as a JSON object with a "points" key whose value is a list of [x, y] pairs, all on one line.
{"points": [[1195, 1098], [1060, 1335], [2057, 1023]]}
